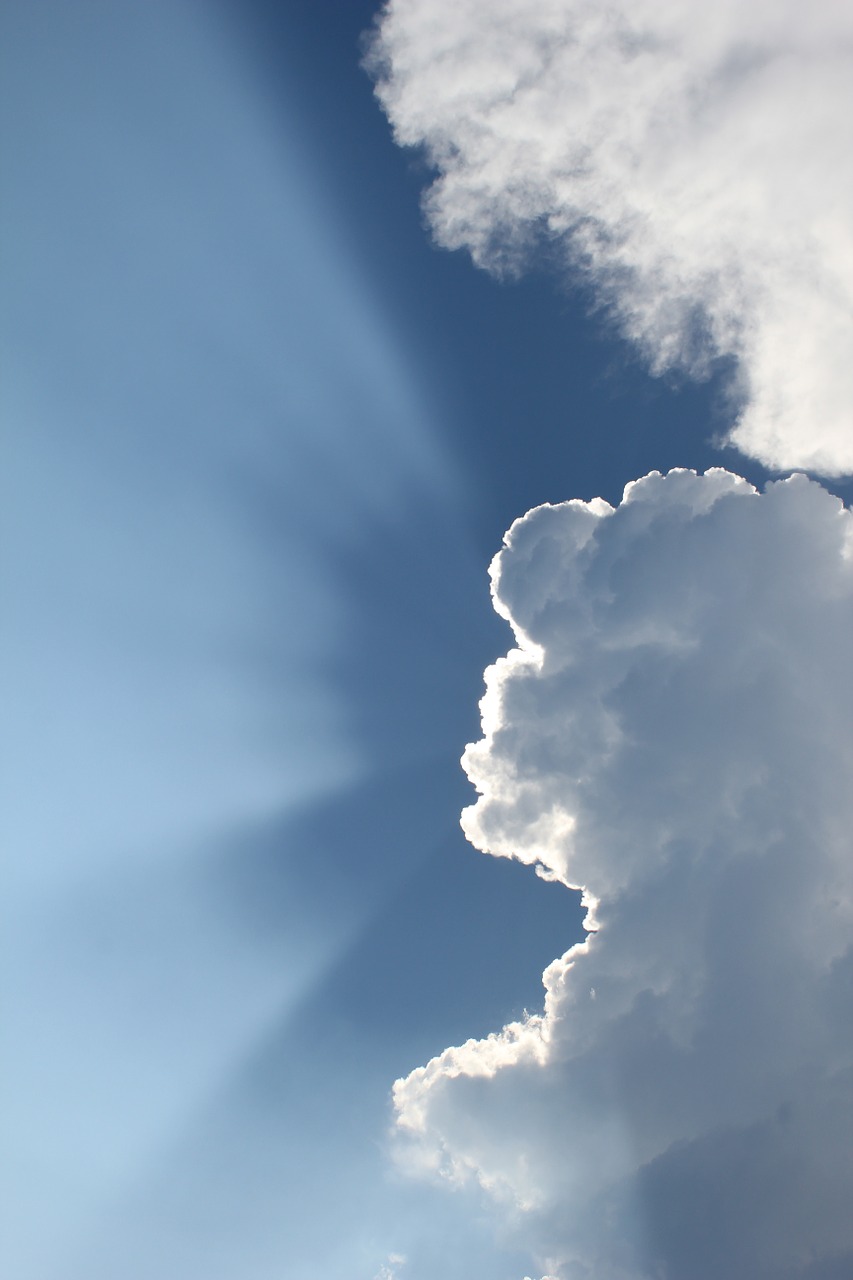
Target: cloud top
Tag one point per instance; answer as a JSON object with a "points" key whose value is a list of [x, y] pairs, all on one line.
{"points": [[674, 736], [692, 161]]}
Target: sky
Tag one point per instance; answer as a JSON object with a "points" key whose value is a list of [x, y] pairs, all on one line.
{"points": [[471, 384]]}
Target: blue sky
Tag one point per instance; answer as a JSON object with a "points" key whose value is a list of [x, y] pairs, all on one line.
{"points": [[262, 438]]}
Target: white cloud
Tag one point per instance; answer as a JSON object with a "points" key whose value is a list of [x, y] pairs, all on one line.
{"points": [[674, 736], [389, 1269], [693, 159]]}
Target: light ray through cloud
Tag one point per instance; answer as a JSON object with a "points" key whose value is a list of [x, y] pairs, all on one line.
{"points": [[194, 359]]}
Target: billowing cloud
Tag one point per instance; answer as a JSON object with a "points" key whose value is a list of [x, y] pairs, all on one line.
{"points": [[691, 161], [673, 735]]}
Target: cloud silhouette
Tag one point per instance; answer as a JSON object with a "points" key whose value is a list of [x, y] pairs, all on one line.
{"points": [[673, 736]]}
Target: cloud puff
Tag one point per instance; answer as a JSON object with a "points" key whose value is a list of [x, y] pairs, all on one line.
{"points": [[692, 160], [388, 1271], [674, 736]]}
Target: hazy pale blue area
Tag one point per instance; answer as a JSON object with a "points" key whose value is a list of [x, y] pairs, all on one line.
{"points": [[234, 597], [259, 443]]}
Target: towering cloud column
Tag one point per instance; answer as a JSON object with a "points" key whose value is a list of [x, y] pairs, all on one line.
{"points": [[674, 736]]}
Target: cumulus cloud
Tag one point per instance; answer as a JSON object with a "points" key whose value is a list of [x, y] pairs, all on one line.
{"points": [[672, 735], [691, 160]]}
